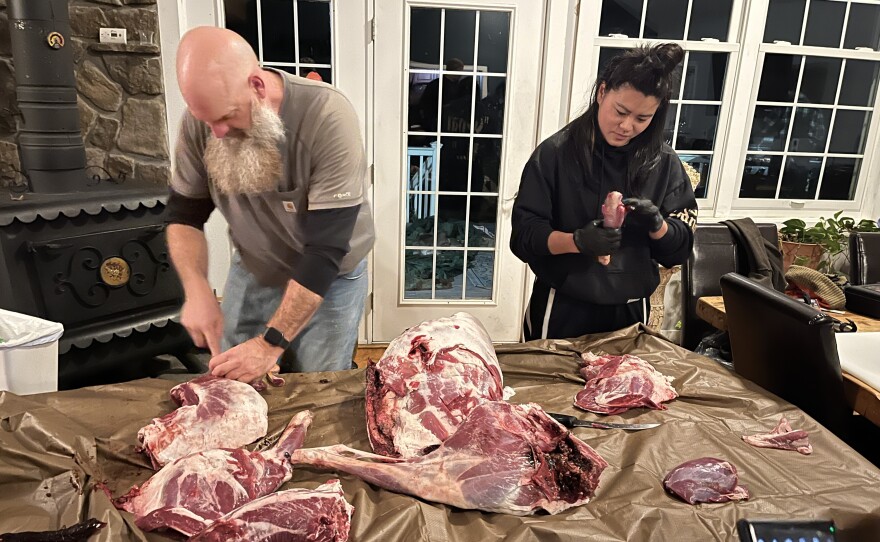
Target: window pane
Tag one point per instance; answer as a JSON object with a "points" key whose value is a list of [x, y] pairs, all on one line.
{"points": [[424, 97], [702, 163], [241, 18], [490, 105], [769, 128], [313, 19], [665, 19], [458, 38], [810, 130], [326, 74], [494, 41], [705, 76], [859, 83], [863, 27], [420, 210], [424, 38], [457, 97], [825, 23], [450, 221], [760, 176], [669, 125], [710, 19], [422, 158], [779, 78], [606, 54], [801, 177], [419, 273], [819, 82], [480, 272], [277, 18], [785, 18], [454, 153], [450, 268], [484, 212], [487, 164], [696, 127], [621, 17], [839, 180], [850, 132]]}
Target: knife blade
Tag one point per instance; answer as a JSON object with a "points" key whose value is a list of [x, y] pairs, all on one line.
{"points": [[571, 422]]}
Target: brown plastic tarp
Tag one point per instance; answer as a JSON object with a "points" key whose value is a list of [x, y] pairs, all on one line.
{"points": [[55, 447]]}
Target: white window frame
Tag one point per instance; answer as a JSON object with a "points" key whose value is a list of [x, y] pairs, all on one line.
{"points": [[742, 79]]}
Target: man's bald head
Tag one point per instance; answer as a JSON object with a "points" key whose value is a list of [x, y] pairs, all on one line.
{"points": [[214, 70]]}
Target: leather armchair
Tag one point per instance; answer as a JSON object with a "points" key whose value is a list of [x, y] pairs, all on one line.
{"points": [[787, 348], [864, 257], [715, 253]]}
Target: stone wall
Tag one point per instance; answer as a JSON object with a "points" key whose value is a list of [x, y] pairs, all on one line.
{"points": [[121, 96]]}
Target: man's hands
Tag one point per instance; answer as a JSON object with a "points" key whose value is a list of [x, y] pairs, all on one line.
{"points": [[594, 240], [203, 320], [644, 214], [247, 362]]}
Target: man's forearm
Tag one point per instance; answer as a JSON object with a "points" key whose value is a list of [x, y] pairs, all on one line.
{"points": [[188, 248], [296, 309]]}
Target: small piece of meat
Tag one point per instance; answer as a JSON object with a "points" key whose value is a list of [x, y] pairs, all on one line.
{"points": [[613, 212], [191, 492], [783, 437], [75, 533], [616, 384], [214, 413], [705, 480], [315, 515]]}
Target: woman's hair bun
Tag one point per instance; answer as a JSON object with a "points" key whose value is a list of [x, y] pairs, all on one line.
{"points": [[668, 56]]}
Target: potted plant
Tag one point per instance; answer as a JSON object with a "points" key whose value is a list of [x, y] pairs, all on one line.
{"points": [[817, 246]]}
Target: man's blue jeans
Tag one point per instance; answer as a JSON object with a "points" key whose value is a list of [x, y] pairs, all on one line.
{"points": [[329, 338]]}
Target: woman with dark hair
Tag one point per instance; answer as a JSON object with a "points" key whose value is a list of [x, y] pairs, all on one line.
{"points": [[615, 145]]}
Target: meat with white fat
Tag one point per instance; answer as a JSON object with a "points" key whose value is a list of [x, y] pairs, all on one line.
{"points": [[705, 480], [428, 381], [213, 413], [193, 491], [616, 384], [314, 515], [782, 437], [512, 459]]}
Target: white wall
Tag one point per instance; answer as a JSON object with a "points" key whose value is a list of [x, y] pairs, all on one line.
{"points": [[175, 18]]}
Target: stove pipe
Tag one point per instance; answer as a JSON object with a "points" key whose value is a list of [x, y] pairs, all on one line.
{"points": [[49, 137]]}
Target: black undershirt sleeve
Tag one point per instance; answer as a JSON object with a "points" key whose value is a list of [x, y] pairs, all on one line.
{"points": [[328, 239]]}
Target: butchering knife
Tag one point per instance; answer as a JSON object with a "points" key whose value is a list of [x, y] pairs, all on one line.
{"points": [[571, 422]]}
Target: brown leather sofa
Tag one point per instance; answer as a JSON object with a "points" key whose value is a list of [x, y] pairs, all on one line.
{"points": [[864, 257], [788, 348], [714, 254]]}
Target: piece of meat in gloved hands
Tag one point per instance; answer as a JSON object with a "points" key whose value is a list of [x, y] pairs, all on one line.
{"points": [[613, 211], [705, 480]]}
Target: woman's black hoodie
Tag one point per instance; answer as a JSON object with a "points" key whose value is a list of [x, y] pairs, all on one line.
{"points": [[556, 193]]}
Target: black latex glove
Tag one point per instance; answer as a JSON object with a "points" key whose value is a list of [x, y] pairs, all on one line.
{"points": [[643, 214], [594, 240]]}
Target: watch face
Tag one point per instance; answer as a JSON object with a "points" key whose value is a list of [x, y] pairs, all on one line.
{"points": [[273, 337]]}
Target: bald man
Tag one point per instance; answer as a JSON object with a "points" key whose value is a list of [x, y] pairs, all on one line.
{"points": [[281, 157]]}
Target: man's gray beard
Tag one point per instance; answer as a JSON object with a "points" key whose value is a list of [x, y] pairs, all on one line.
{"points": [[250, 162]]}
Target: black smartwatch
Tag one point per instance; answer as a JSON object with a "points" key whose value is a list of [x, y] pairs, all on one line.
{"points": [[275, 338]]}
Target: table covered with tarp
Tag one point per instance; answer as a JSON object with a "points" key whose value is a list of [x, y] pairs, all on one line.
{"points": [[55, 448]]}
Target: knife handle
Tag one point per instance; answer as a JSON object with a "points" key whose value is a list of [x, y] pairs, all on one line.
{"points": [[564, 419]]}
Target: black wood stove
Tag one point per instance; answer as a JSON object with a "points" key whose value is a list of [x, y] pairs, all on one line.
{"points": [[90, 254]]}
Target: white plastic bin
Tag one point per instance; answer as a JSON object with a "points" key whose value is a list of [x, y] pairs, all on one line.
{"points": [[28, 353]]}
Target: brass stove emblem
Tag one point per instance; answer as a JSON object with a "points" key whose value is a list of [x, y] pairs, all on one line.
{"points": [[115, 271], [55, 40]]}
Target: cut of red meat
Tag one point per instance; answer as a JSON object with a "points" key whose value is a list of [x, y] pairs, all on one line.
{"points": [[314, 515], [616, 384], [214, 413], [428, 380], [783, 437], [191, 492], [705, 480], [504, 458], [613, 213]]}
